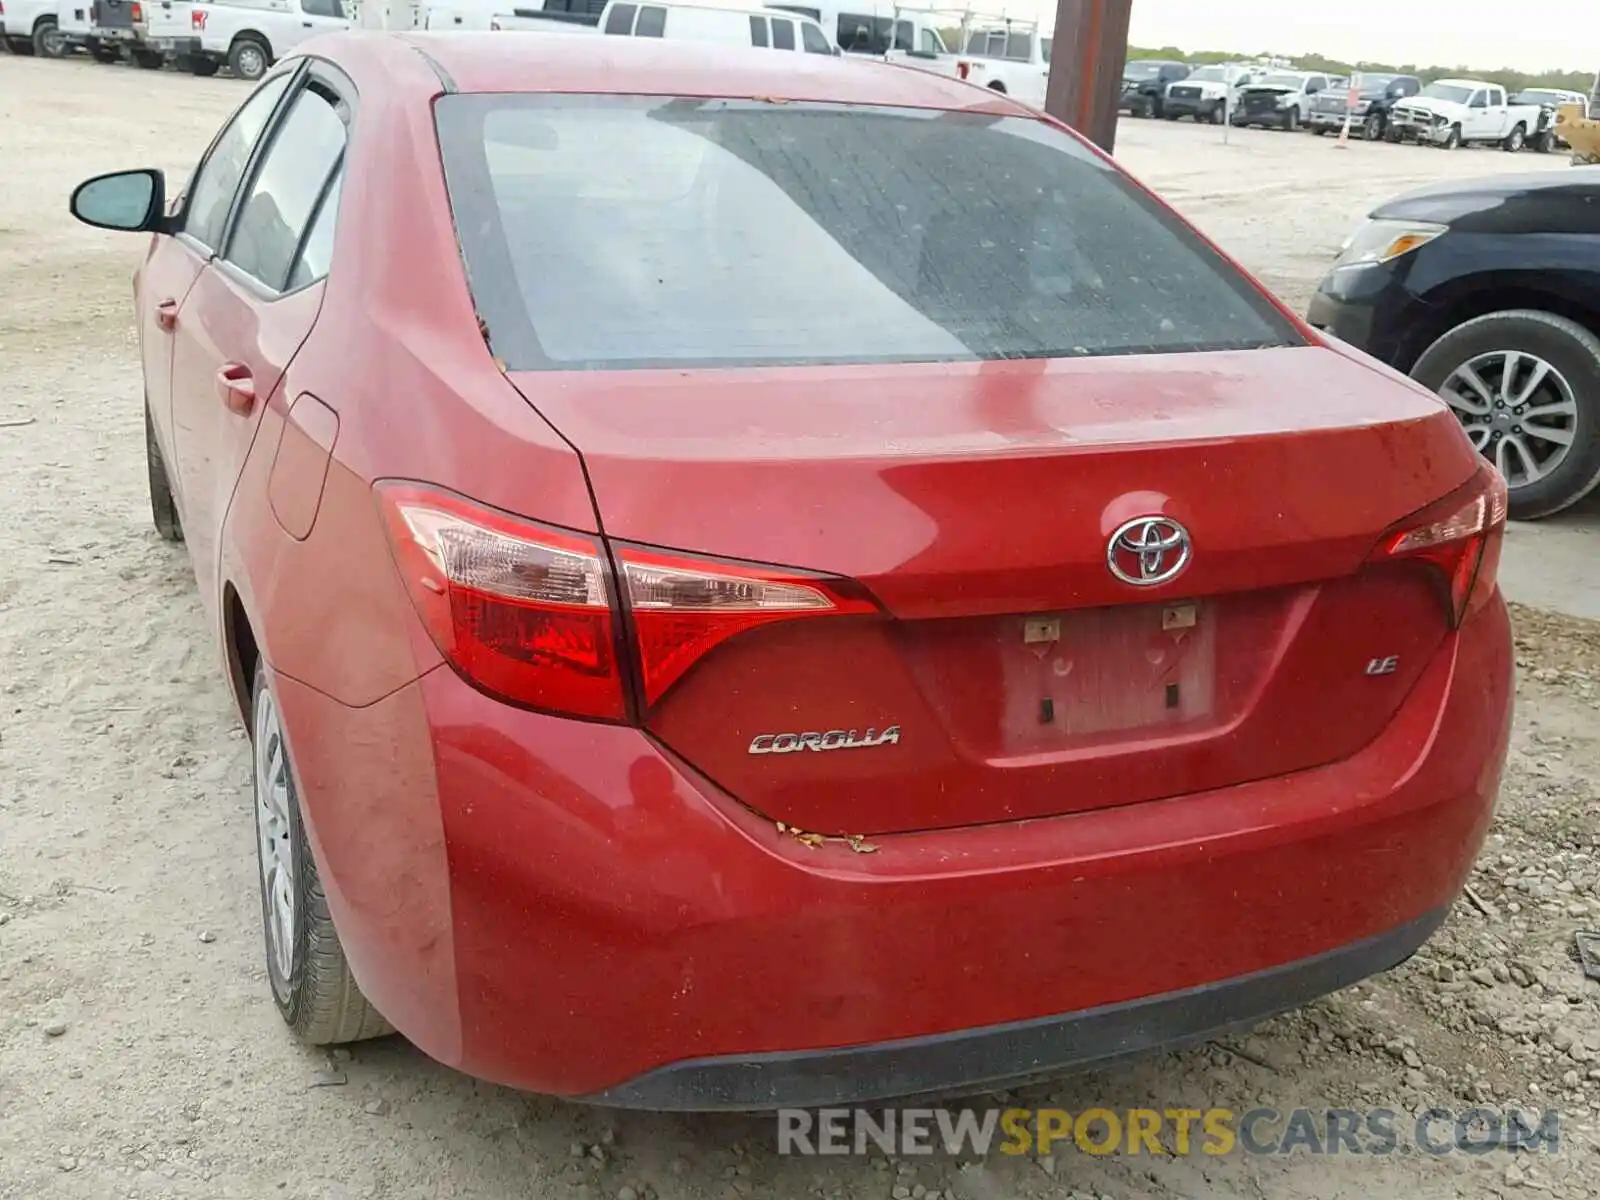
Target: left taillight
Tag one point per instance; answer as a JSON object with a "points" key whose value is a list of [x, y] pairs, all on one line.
{"points": [[521, 610], [535, 615], [1460, 538], [136, 12]]}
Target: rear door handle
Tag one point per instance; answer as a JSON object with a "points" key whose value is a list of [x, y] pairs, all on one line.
{"points": [[237, 388], [167, 315]]}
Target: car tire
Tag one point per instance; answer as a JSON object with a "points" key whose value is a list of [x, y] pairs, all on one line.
{"points": [[1372, 128], [1319, 130], [1515, 140], [307, 971], [48, 41], [1573, 354], [163, 509], [1452, 140], [1291, 120], [1219, 112], [22, 47], [148, 60], [249, 58], [105, 54], [205, 68], [1542, 143]]}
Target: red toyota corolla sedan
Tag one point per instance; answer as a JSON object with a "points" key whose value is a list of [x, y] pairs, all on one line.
{"points": [[761, 580]]}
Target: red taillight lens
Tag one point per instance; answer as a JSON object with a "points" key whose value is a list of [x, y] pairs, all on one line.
{"points": [[1460, 536], [682, 608], [520, 610], [136, 11], [963, 69]]}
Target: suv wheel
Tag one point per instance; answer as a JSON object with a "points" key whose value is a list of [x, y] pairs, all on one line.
{"points": [[1526, 387], [48, 40]]}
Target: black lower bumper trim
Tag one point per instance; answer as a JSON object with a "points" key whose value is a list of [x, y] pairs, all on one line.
{"points": [[1001, 1055]]}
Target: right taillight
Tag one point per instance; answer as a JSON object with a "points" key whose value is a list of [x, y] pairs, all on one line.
{"points": [[1460, 538], [532, 614]]}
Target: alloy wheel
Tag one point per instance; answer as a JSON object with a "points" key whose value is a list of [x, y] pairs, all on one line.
{"points": [[1518, 410], [279, 875]]}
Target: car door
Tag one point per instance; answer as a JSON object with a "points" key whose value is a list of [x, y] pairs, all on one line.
{"points": [[163, 283], [1476, 124], [1498, 117], [248, 312]]}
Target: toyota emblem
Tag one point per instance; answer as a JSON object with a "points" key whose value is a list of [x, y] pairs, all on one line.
{"points": [[1149, 550]]}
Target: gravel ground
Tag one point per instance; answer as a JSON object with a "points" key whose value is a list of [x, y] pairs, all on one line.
{"points": [[140, 1055]]}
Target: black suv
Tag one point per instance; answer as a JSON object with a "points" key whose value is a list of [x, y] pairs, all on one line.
{"points": [[1370, 117], [1488, 292], [1144, 85]]}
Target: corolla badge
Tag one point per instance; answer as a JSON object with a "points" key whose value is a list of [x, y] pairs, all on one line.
{"points": [[1149, 550], [833, 739]]}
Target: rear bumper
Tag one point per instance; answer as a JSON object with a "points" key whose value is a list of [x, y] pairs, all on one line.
{"points": [[1018, 1052], [568, 908]]}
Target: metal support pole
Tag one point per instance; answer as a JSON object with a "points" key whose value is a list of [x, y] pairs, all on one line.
{"points": [[1086, 61]]}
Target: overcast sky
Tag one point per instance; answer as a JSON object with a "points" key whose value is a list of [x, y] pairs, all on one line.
{"points": [[1530, 35]]}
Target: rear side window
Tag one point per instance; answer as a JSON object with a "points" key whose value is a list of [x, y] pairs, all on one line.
{"points": [[620, 19], [282, 199], [782, 34], [316, 253], [758, 31], [212, 190], [814, 40], [928, 42], [652, 22], [607, 232]]}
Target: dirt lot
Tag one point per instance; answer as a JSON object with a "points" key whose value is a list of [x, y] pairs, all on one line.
{"points": [[139, 1053]]}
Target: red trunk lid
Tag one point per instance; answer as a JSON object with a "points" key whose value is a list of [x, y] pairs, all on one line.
{"points": [[976, 502]]}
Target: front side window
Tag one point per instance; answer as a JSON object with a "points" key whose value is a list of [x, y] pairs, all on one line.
{"points": [[621, 19], [928, 42], [650, 232], [868, 35], [782, 33], [323, 8], [212, 190], [813, 39], [283, 196], [652, 22], [758, 31]]}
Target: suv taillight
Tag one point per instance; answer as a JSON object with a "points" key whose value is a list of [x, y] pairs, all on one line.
{"points": [[532, 614], [1460, 537]]}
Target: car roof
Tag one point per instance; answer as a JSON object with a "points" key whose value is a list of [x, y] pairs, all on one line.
{"points": [[585, 63]]}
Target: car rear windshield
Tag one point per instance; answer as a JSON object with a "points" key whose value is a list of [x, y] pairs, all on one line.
{"points": [[605, 232]]}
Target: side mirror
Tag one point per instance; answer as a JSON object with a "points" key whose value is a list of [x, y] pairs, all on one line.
{"points": [[131, 201]]}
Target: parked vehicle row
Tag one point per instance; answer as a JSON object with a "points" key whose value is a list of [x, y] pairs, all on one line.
{"points": [[247, 36]]}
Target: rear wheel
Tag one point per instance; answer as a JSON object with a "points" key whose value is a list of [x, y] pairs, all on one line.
{"points": [[1542, 142], [1526, 387], [248, 59], [48, 40], [204, 67], [148, 59], [163, 511], [315, 992], [1515, 140]]}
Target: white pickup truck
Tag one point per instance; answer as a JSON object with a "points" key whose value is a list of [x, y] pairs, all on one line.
{"points": [[1010, 58], [30, 27], [246, 36], [1457, 112]]}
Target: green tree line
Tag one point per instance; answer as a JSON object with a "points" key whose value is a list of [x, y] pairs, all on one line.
{"points": [[1511, 80]]}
